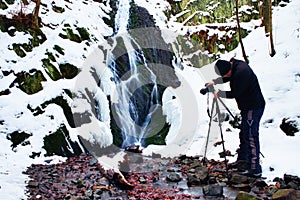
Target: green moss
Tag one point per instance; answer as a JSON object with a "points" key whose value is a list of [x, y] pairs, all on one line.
{"points": [[84, 34], [30, 83], [63, 36], [51, 70], [3, 6], [10, 2], [135, 19], [50, 56], [68, 70], [58, 9], [72, 36], [219, 11], [27, 47], [54, 142], [59, 49], [18, 138], [59, 143], [38, 37], [18, 50]]}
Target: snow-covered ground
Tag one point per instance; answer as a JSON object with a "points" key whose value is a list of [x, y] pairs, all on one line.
{"points": [[277, 75]]}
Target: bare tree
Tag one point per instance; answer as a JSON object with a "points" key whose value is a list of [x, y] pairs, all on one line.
{"points": [[273, 52], [239, 30], [36, 14], [267, 22]]}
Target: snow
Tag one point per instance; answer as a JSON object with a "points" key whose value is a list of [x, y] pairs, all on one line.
{"points": [[277, 76]]}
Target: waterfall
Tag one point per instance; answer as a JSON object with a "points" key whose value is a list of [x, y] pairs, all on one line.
{"points": [[136, 85]]}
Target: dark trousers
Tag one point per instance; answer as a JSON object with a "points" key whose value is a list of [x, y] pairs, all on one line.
{"points": [[249, 138]]}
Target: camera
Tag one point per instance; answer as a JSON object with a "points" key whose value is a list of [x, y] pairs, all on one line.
{"points": [[208, 88]]}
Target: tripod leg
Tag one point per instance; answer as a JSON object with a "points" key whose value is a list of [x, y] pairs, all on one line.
{"points": [[209, 126], [226, 107], [220, 125]]}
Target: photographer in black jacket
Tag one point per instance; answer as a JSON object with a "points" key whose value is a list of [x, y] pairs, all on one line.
{"points": [[246, 91]]}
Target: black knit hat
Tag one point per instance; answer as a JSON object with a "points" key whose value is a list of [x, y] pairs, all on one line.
{"points": [[222, 67]]}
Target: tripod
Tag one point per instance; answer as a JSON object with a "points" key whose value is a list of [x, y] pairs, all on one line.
{"points": [[216, 103]]}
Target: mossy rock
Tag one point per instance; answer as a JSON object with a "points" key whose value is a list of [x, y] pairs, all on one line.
{"points": [[51, 70], [60, 101], [110, 21], [68, 70], [30, 83], [18, 50], [17, 138], [3, 6], [58, 9], [51, 57], [10, 2], [27, 47], [84, 34], [38, 37], [59, 143], [244, 195], [59, 49], [211, 11], [285, 194], [72, 36]]}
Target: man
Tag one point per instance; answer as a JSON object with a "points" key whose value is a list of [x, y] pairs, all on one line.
{"points": [[246, 91]]}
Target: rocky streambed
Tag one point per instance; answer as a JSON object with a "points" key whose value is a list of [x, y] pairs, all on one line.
{"points": [[141, 177]]}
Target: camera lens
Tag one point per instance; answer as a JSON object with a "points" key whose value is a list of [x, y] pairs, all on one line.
{"points": [[204, 91]]}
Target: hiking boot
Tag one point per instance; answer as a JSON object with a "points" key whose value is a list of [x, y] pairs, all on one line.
{"points": [[240, 165], [253, 173]]}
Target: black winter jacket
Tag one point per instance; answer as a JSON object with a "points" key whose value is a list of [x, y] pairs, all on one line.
{"points": [[244, 86]]}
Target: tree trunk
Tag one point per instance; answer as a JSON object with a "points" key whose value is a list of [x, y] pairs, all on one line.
{"points": [[266, 15], [273, 52], [239, 31], [260, 10], [36, 14]]}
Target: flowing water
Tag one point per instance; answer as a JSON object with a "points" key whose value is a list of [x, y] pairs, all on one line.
{"points": [[131, 86]]}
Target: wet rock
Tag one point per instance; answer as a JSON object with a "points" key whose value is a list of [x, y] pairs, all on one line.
{"points": [[173, 177], [134, 149], [244, 196], [213, 190], [260, 183], [291, 178], [202, 173], [289, 127], [32, 184], [196, 164], [292, 185], [93, 162], [238, 179], [193, 180], [285, 194]]}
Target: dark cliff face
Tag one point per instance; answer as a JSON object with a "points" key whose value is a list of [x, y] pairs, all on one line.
{"points": [[154, 54]]}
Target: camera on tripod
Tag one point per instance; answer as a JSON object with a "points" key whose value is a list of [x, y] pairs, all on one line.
{"points": [[208, 88]]}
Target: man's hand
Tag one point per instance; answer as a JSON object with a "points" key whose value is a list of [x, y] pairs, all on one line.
{"points": [[211, 83]]}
